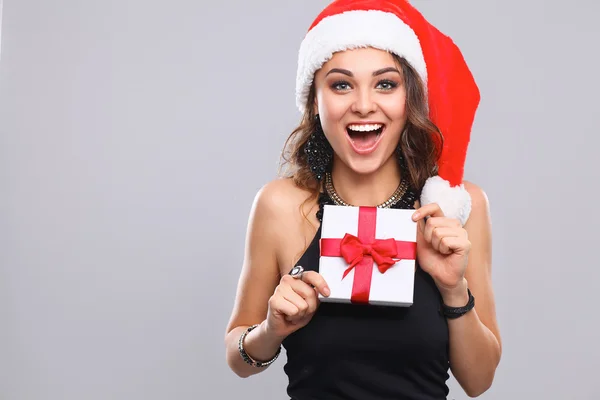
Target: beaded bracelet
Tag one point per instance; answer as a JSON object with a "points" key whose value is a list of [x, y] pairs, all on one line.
{"points": [[250, 360]]}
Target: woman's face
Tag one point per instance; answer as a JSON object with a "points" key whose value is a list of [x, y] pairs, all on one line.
{"points": [[360, 97]]}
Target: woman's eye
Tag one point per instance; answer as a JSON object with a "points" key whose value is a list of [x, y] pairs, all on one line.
{"points": [[383, 85], [340, 85], [387, 85]]}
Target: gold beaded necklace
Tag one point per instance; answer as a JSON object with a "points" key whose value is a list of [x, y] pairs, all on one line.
{"points": [[394, 198]]}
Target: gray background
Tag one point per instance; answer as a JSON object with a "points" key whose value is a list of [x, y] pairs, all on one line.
{"points": [[134, 135]]}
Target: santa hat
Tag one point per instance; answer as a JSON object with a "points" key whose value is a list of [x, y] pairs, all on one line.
{"points": [[452, 94]]}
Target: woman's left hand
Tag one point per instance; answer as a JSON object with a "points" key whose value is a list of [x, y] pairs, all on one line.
{"points": [[442, 249]]}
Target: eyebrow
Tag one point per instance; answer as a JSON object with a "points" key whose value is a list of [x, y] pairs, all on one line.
{"points": [[376, 73]]}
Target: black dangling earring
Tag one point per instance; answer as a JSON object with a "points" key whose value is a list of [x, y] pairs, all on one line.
{"points": [[400, 157], [319, 153]]}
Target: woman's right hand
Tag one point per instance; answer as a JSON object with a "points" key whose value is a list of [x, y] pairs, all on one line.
{"points": [[294, 303]]}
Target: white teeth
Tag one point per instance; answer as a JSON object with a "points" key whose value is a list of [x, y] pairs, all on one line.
{"points": [[365, 128]]}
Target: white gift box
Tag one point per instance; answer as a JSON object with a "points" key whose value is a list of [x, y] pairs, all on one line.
{"points": [[368, 228]]}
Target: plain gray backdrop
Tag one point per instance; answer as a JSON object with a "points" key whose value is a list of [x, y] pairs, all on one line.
{"points": [[133, 138]]}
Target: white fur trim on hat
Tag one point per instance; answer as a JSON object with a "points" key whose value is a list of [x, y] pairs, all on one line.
{"points": [[455, 202], [355, 29]]}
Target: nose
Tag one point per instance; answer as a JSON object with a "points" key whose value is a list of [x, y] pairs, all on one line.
{"points": [[364, 103]]}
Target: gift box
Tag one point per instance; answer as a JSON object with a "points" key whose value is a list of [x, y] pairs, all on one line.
{"points": [[367, 255]]}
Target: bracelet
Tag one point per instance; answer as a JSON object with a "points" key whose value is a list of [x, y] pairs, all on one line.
{"points": [[250, 360], [455, 312]]}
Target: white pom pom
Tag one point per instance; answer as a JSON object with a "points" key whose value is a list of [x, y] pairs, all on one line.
{"points": [[455, 202]]}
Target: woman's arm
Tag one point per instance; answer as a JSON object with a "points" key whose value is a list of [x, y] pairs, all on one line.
{"points": [[258, 279], [475, 344]]}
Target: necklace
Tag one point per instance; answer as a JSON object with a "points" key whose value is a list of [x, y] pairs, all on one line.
{"points": [[394, 198]]}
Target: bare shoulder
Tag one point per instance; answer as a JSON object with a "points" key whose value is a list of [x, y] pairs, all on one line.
{"points": [[279, 195], [480, 206], [287, 212], [479, 198], [282, 201]]}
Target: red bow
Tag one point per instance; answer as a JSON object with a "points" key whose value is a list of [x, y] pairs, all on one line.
{"points": [[353, 250]]}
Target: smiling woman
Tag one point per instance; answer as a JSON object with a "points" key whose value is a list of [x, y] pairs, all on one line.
{"points": [[348, 89], [387, 103], [344, 92]]}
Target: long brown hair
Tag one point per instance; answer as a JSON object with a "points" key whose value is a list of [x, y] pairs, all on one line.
{"points": [[420, 142]]}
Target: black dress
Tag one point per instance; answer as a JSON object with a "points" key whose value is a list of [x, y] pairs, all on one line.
{"points": [[366, 352]]}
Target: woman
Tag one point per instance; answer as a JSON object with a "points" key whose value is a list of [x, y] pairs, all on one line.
{"points": [[388, 105]]}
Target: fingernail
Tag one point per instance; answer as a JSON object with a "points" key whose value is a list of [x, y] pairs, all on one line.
{"points": [[326, 291], [416, 216]]}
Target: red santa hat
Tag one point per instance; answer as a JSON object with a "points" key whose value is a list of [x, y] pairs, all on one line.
{"points": [[452, 94]]}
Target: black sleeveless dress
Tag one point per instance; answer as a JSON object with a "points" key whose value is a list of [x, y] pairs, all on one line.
{"points": [[366, 352]]}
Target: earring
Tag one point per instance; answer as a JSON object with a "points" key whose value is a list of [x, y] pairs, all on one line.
{"points": [[319, 153], [400, 155]]}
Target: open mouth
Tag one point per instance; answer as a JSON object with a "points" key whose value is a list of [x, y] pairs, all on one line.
{"points": [[364, 137]]}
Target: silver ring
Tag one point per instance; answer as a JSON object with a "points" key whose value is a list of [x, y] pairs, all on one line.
{"points": [[297, 272]]}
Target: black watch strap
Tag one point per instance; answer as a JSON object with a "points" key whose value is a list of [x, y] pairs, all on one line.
{"points": [[455, 312]]}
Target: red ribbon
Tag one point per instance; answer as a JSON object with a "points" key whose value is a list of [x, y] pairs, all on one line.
{"points": [[361, 251]]}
